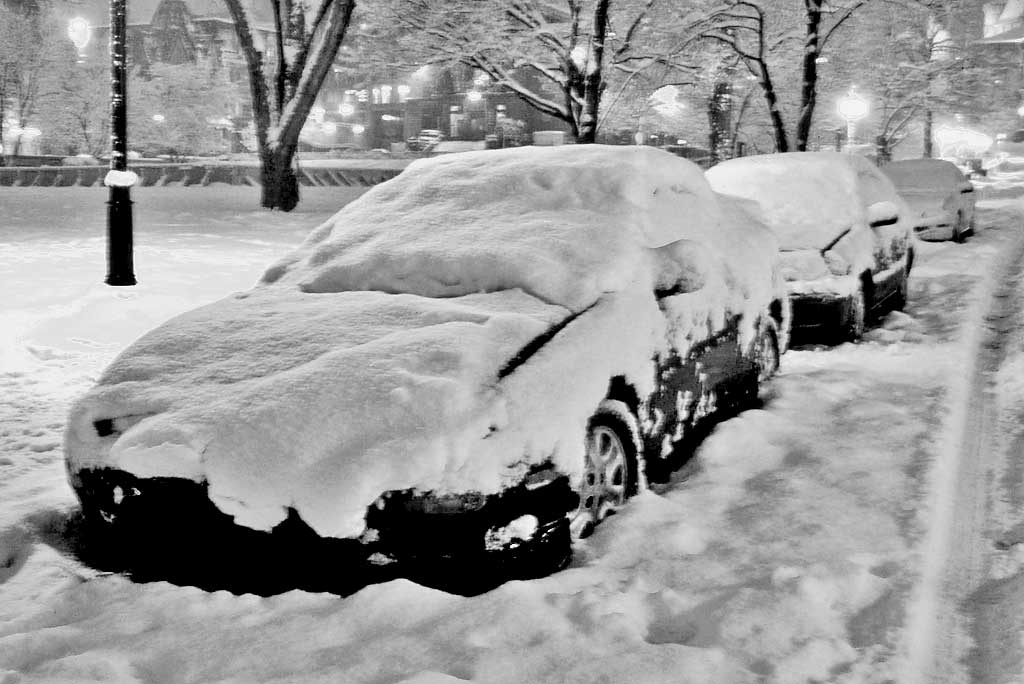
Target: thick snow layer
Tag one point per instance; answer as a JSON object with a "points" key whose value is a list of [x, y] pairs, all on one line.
{"points": [[369, 359], [788, 554], [277, 396], [808, 198], [924, 175], [563, 224]]}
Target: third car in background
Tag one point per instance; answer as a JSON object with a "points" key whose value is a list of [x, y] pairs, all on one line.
{"points": [[940, 197], [844, 233]]}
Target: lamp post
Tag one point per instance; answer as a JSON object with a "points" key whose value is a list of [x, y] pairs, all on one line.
{"points": [[852, 107], [120, 266]]}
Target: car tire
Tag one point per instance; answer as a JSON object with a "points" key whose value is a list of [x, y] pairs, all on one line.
{"points": [[959, 230], [766, 350], [611, 466], [856, 320], [899, 298]]}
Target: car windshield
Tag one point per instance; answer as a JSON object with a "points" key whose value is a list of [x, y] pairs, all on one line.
{"points": [[565, 225], [807, 198], [923, 174]]}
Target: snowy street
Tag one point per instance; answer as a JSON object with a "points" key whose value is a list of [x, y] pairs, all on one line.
{"points": [[865, 525]]}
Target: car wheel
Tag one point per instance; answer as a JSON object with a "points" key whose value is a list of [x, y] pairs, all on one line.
{"points": [[610, 467], [899, 298], [857, 316], [766, 351], [958, 228]]}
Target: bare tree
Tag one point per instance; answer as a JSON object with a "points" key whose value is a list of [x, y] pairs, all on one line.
{"points": [[307, 41], [559, 57], [761, 34]]}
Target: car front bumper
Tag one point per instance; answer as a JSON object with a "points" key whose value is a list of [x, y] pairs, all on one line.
{"points": [[167, 528], [817, 315]]}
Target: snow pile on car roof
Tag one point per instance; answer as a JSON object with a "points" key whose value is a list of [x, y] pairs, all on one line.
{"points": [[929, 175], [563, 223], [808, 198], [313, 392]]}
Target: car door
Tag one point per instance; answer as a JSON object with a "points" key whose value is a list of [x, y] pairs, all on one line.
{"points": [[697, 378]]}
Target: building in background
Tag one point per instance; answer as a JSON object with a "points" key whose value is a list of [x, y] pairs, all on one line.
{"points": [[354, 109]]}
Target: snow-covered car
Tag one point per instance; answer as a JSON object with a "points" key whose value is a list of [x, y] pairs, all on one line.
{"points": [[941, 198], [845, 234], [478, 359], [425, 140], [1005, 147]]}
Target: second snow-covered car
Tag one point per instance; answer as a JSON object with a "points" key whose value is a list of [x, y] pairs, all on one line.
{"points": [[479, 358], [845, 234], [941, 198]]}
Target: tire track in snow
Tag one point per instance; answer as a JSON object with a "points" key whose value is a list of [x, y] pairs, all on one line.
{"points": [[939, 629]]}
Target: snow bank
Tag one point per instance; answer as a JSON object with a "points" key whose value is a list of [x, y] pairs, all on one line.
{"points": [[370, 358]]}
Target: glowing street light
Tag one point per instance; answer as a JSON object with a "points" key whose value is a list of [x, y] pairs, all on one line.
{"points": [[358, 129], [474, 96], [346, 109], [79, 32], [852, 107]]}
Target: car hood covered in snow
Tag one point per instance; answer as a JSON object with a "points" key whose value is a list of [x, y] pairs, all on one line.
{"points": [[277, 398]]}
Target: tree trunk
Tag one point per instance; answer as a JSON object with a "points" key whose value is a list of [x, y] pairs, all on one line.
{"points": [[809, 89], [719, 121], [927, 134], [280, 186], [593, 78], [772, 100]]}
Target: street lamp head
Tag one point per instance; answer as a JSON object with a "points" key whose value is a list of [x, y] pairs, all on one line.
{"points": [[474, 95], [1020, 110], [852, 106], [358, 129], [579, 56], [346, 109], [79, 32]]}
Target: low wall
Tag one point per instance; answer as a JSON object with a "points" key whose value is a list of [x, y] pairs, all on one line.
{"points": [[190, 174]]}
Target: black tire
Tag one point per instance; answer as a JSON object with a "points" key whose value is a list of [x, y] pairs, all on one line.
{"points": [[899, 298], [958, 229], [766, 350], [611, 466], [856, 319]]}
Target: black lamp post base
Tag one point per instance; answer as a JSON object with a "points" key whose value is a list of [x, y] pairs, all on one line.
{"points": [[120, 261]]}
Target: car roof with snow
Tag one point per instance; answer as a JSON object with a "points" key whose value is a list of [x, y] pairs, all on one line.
{"points": [[564, 224], [808, 198], [924, 175]]}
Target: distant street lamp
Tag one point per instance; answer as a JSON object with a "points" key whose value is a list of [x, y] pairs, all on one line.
{"points": [[346, 109], [79, 32], [120, 261], [852, 107], [474, 96]]}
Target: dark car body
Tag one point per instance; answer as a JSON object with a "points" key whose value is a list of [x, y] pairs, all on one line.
{"points": [[845, 235]]}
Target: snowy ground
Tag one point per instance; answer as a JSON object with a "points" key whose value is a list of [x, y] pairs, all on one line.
{"points": [[808, 543]]}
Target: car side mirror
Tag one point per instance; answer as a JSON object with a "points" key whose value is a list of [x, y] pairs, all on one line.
{"points": [[883, 214]]}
